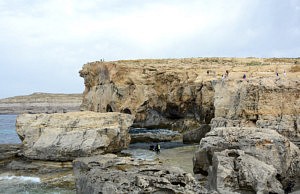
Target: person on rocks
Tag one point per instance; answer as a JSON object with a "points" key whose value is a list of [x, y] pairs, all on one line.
{"points": [[244, 76], [157, 148]]}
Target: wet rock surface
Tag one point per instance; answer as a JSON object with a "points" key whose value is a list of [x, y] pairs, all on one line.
{"points": [[9, 151], [153, 135], [112, 174], [16, 169]]}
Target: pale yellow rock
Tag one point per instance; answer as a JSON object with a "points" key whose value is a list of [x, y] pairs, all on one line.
{"points": [[183, 94], [65, 136]]}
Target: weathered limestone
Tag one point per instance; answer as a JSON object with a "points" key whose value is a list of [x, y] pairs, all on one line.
{"points": [[233, 171], [154, 135], [66, 136], [159, 93], [8, 152], [257, 151], [272, 103], [41, 103], [183, 94], [111, 174], [194, 136]]}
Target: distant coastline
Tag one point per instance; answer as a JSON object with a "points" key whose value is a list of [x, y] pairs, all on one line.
{"points": [[41, 103]]}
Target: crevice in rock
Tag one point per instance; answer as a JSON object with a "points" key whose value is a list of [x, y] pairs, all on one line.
{"points": [[178, 183], [126, 111], [109, 108]]}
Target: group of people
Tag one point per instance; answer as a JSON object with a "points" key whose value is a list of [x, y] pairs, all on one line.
{"points": [[244, 75], [155, 148]]}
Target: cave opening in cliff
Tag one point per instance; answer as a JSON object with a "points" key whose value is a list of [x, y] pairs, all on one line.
{"points": [[109, 108], [126, 111], [173, 111]]}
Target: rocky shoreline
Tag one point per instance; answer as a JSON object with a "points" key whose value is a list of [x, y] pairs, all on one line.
{"points": [[245, 128]]}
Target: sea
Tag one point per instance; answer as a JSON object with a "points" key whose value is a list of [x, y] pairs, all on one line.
{"points": [[8, 133], [10, 183]]}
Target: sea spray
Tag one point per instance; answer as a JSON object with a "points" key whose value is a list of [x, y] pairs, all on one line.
{"points": [[21, 179]]}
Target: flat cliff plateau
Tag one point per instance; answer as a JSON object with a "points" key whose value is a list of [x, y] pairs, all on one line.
{"points": [[41, 103], [185, 94]]}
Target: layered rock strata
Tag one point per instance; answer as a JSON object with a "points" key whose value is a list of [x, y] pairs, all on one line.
{"points": [[247, 160], [66, 136], [41, 103], [154, 135], [184, 94], [263, 103], [112, 174]]}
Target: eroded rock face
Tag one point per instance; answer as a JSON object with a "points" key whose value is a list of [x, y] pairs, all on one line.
{"points": [[272, 103], [233, 171], [65, 136], [154, 135], [159, 95], [111, 174], [281, 158], [183, 94], [194, 136]]}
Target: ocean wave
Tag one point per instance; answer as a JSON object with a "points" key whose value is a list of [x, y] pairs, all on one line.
{"points": [[21, 178]]}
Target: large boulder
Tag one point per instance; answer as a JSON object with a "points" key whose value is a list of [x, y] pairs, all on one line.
{"points": [[234, 171], [112, 174], [66, 136], [194, 136], [265, 145]]}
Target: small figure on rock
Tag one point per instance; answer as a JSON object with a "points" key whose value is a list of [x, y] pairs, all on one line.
{"points": [[244, 76], [284, 73], [157, 148]]}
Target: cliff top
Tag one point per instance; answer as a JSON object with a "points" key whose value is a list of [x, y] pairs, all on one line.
{"points": [[192, 70]]}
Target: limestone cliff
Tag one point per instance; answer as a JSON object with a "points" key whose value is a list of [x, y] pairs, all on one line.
{"points": [[41, 103], [183, 94]]}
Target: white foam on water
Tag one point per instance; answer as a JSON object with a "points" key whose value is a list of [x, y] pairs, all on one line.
{"points": [[21, 178]]}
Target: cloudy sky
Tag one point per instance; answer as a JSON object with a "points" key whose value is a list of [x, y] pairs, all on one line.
{"points": [[44, 43]]}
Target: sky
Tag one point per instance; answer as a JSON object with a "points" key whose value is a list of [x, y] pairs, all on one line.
{"points": [[44, 43]]}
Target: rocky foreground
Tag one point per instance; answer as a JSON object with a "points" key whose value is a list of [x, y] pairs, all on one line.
{"points": [[41, 103], [246, 126]]}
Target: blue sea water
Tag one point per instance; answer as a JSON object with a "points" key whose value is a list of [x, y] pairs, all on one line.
{"points": [[8, 134]]}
